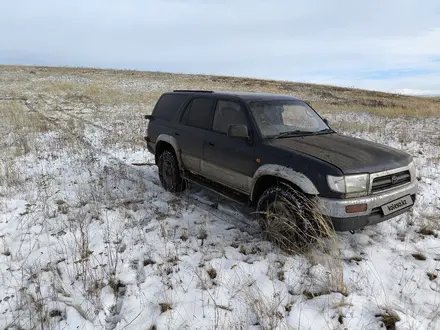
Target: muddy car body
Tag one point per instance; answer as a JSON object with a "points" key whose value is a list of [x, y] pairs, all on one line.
{"points": [[242, 145]]}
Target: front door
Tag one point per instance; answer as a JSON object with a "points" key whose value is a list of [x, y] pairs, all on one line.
{"points": [[228, 160]]}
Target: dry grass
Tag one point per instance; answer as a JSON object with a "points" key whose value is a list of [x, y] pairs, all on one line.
{"points": [[430, 224], [165, 307], [115, 87], [389, 319], [311, 234], [359, 127], [16, 118], [19, 130], [309, 228], [387, 105], [105, 107], [97, 94], [419, 256], [431, 276], [212, 273]]}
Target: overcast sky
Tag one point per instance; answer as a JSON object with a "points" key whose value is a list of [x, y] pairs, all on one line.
{"points": [[390, 45]]}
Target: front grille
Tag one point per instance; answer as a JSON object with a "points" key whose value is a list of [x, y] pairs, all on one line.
{"points": [[390, 181]]}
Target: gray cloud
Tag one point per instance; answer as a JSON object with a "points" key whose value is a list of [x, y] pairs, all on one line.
{"points": [[346, 43]]}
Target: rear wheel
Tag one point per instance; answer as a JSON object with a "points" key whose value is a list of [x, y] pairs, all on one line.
{"points": [[286, 218], [169, 172]]}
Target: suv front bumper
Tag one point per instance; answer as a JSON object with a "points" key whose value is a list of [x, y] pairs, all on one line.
{"points": [[343, 221]]}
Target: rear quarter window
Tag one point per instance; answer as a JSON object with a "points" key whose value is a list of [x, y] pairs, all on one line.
{"points": [[199, 113], [168, 105]]}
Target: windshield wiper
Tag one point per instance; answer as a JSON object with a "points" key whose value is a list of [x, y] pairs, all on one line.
{"points": [[291, 133], [325, 130]]}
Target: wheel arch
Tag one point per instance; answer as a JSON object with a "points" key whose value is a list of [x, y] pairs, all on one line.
{"points": [[167, 142], [270, 175]]}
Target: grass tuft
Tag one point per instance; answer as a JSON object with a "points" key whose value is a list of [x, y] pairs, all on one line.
{"points": [[431, 276], [281, 275], [298, 225], [212, 273], [311, 295], [427, 232], [419, 256], [341, 318], [389, 319], [149, 261], [165, 307]]}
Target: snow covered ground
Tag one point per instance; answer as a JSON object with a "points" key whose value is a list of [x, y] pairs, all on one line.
{"points": [[89, 239]]}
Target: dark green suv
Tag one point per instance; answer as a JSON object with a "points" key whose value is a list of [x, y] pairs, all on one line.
{"points": [[257, 147]]}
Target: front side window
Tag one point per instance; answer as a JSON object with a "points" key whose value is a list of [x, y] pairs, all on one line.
{"points": [[228, 113], [286, 117]]}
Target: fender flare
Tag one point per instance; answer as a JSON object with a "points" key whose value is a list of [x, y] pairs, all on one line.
{"points": [[286, 173], [173, 142]]}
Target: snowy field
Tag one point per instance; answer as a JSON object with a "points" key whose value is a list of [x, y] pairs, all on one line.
{"points": [[90, 240]]}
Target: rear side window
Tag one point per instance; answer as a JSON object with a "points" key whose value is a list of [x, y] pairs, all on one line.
{"points": [[199, 113], [167, 105]]}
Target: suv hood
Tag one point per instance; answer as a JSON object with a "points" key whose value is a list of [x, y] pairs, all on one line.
{"points": [[351, 155]]}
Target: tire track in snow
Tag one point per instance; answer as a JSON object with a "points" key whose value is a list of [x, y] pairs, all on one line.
{"points": [[224, 211], [86, 121], [141, 175]]}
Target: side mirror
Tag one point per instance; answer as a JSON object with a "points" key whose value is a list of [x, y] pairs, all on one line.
{"points": [[238, 131], [325, 121]]}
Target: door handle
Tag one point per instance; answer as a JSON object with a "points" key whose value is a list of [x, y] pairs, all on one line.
{"points": [[176, 133], [211, 144]]}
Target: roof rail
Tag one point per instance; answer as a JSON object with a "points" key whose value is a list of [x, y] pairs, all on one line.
{"points": [[192, 91]]}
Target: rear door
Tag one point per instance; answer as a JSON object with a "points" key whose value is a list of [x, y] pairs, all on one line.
{"points": [[228, 160], [193, 124]]}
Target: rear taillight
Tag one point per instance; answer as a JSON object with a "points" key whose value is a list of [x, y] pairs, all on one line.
{"points": [[148, 118], [146, 129]]}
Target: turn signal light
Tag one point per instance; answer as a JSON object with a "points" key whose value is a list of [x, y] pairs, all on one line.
{"points": [[356, 208]]}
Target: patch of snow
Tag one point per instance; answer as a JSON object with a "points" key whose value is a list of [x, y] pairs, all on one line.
{"points": [[99, 243]]}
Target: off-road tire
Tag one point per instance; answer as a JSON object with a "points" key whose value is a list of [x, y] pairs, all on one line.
{"points": [[169, 173], [285, 219]]}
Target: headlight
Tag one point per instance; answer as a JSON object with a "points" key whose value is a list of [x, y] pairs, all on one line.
{"points": [[349, 183], [412, 170], [412, 166]]}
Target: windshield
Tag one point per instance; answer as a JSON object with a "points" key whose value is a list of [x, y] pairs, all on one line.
{"points": [[287, 117]]}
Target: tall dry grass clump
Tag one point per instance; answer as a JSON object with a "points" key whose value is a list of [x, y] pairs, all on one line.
{"points": [[293, 221], [296, 224]]}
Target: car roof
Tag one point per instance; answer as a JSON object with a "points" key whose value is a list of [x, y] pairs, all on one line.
{"points": [[246, 96]]}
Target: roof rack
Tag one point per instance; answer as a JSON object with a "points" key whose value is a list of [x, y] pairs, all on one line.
{"points": [[192, 91]]}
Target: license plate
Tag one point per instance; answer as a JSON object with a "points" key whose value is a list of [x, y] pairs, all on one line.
{"points": [[397, 205]]}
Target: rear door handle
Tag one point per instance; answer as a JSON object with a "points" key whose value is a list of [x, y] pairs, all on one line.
{"points": [[176, 133], [211, 144]]}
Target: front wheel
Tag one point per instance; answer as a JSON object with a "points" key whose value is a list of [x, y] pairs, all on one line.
{"points": [[286, 218], [169, 172]]}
